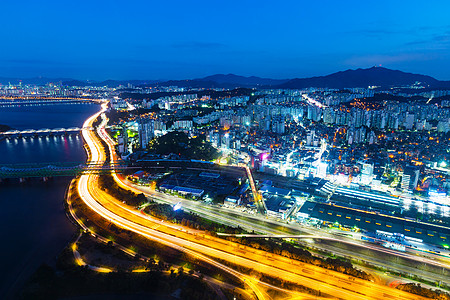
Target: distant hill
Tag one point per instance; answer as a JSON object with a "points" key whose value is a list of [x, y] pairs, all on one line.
{"points": [[227, 81], [34, 80], [72, 82], [244, 81], [108, 83], [377, 76], [363, 78], [194, 83]]}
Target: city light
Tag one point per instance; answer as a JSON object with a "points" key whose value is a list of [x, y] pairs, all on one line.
{"points": [[177, 206], [246, 161]]}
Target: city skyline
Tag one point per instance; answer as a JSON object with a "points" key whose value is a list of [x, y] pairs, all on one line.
{"points": [[107, 40], [245, 150]]}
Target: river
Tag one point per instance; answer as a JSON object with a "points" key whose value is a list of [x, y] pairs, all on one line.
{"points": [[33, 225]]}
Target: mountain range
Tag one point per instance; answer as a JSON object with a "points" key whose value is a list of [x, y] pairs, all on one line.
{"points": [[375, 76]]}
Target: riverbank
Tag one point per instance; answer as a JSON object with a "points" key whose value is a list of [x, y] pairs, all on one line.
{"points": [[33, 225], [4, 128], [35, 240], [103, 267]]}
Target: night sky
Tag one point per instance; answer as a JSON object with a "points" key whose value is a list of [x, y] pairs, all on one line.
{"points": [[143, 39]]}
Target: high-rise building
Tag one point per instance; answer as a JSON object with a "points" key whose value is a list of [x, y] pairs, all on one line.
{"points": [[314, 113], [278, 124], [366, 173], [328, 115], [409, 121], [410, 178], [159, 125], [146, 132], [226, 140], [121, 144], [182, 125], [125, 135]]}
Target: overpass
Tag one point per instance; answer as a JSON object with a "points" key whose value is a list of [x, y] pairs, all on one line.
{"points": [[41, 131], [58, 169], [257, 197], [279, 236]]}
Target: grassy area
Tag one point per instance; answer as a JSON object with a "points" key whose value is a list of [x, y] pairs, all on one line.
{"points": [[53, 283], [166, 256]]}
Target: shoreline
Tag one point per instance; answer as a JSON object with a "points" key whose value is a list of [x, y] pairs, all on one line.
{"points": [[39, 229], [66, 201]]}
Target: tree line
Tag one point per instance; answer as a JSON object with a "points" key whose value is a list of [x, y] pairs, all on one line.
{"points": [[48, 283], [166, 212], [292, 251], [417, 289], [188, 219], [109, 185]]}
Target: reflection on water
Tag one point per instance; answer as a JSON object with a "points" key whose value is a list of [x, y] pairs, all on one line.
{"points": [[33, 225], [59, 148]]}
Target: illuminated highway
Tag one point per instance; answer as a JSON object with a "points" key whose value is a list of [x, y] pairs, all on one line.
{"points": [[85, 187], [79, 260], [206, 248], [267, 226], [312, 101], [256, 195]]}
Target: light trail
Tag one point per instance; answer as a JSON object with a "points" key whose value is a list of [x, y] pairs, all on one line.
{"points": [[312, 101], [256, 195], [79, 260], [96, 155], [205, 247], [250, 223]]}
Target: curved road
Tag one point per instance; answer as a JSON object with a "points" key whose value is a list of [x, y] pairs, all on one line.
{"points": [[205, 247]]}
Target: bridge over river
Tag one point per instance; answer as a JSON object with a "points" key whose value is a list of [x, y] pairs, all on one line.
{"points": [[37, 101], [45, 170], [44, 131]]}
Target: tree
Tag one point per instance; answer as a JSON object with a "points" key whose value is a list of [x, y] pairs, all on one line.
{"points": [[151, 263], [4, 128], [179, 143]]}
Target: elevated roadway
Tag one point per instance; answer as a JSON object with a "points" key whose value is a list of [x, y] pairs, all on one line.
{"points": [[209, 248], [57, 169]]}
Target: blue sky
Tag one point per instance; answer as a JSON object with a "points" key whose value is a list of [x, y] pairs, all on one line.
{"points": [[138, 39]]}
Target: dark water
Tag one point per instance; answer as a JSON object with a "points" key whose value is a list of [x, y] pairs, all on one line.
{"points": [[46, 116], [33, 225]]}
